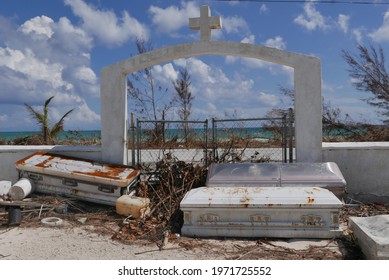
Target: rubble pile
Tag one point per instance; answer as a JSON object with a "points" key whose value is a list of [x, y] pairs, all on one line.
{"points": [[165, 187]]}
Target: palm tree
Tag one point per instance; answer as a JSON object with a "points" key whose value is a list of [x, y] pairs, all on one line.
{"points": [[49, 134]]}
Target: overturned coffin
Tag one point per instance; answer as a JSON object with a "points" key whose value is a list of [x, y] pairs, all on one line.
{"points": [[284, 212], [79, 178], [325, 175]]}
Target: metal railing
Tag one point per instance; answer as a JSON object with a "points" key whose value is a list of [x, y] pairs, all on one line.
{"points": [[166, 140], [227, 140], [255, 140]]}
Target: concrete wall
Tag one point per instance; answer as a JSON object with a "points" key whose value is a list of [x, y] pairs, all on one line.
{"points": [[10, 154], [365, 166]]}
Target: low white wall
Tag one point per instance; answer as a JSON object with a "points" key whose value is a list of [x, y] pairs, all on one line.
{"points": [[365, 166], [11, 154]]}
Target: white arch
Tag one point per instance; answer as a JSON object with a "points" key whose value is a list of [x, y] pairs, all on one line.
{"points": [[307, 86]]}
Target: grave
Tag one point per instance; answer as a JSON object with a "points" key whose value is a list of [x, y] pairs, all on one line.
{"points": [[371, 234]]}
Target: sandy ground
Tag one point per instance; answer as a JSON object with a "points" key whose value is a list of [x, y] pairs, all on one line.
{"points": [[84, 243]]}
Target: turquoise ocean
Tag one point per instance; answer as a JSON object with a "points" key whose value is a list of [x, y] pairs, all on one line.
{"points": [[83, 134]]}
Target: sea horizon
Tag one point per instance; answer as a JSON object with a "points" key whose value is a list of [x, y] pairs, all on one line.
{"points": [[67, 134]]}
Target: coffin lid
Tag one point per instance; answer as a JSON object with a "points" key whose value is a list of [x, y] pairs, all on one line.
{"points": [[325, 174]]}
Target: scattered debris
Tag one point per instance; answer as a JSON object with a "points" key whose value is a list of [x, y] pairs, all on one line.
{"points": [[136, 207], [20, 190], [82, 220], [52, 221], [165, 189]]}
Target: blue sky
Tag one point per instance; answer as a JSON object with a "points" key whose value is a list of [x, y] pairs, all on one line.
{"points": [[59, 47]]}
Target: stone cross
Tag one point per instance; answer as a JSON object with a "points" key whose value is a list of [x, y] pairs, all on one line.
{"points": [[205, 23]]}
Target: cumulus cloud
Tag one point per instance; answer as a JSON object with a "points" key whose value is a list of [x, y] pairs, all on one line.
{"points": [[43, 58], [235, 24], [382, 33], [39, 25], [312, 19], [276, 42], [165, 74], [216, 92], [173, 18], [343, 21], [106, 25]]}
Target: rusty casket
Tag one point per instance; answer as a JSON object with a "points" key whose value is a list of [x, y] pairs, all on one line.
{"points": [[83, 179]]}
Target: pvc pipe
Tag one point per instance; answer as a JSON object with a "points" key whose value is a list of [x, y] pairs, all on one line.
{"points": [[20, 189]]}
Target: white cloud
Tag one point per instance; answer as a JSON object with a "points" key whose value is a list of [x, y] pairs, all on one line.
{"points": [[276, 42], [358, 34], [172, 18], [28, 64], [106, 26], [165, 74], [312, 19], [82, 117], [235, 24], [86, 74], [39, 25], [249, 40], [382, 33], [263, 9], [343, 21], [55, 63], [216, 92]]}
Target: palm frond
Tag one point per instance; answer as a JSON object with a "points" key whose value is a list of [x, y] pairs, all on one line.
{"points": [[40, 118], [58, 127]]}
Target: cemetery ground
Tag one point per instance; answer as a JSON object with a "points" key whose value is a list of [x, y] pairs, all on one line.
{"points": [[90, 231]]}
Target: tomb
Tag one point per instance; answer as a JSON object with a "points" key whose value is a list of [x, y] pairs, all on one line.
{"points": [[371, 234], [284, 212], [288, 200]]}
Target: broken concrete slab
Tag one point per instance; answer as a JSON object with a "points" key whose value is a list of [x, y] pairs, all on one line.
{"points": [[372, 235]]}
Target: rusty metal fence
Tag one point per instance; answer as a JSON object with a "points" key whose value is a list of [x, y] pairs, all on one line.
{"points": [[226, 140]]}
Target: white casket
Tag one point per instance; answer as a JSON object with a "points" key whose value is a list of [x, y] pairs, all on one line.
{"points": [[325, 175], [283, 212]]}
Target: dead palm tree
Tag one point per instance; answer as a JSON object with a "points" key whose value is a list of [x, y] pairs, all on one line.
{"points": [[49, 134]]}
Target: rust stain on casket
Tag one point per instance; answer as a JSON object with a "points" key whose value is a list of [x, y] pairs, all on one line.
{"points": [[74, 165]]}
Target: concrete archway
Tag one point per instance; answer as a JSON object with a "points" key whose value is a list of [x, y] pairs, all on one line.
{"points": [[307, 86]]}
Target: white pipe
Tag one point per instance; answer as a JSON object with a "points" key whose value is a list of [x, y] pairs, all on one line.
{"points": [[20, 189]]}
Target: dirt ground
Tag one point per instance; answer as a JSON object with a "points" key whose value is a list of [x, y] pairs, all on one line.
{"points": [[99, 233]]}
